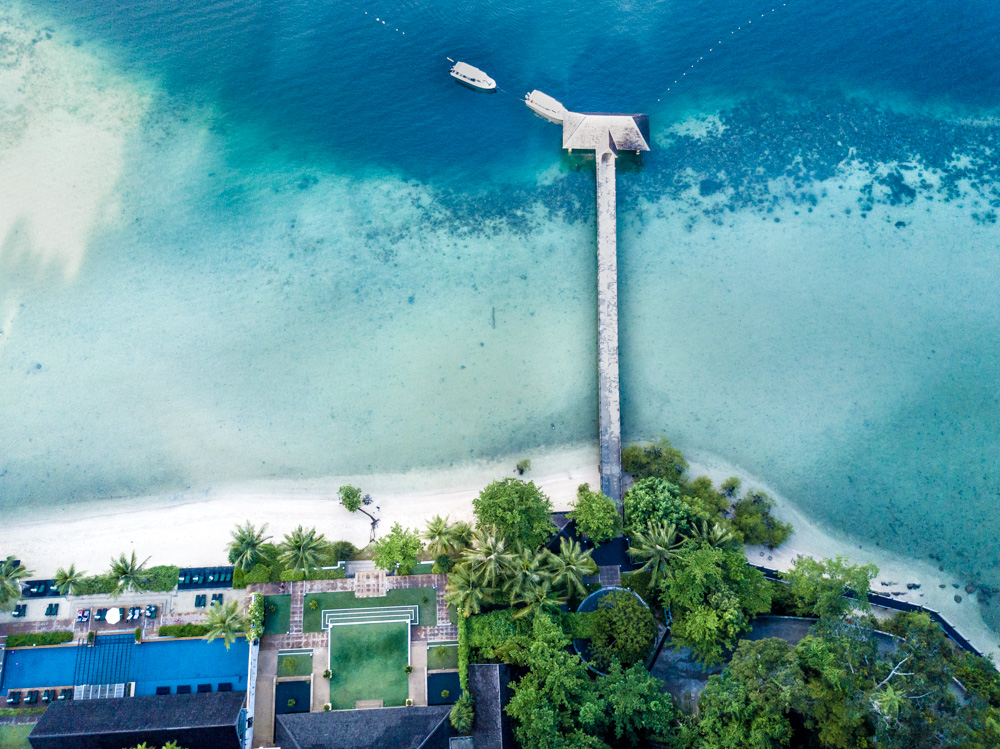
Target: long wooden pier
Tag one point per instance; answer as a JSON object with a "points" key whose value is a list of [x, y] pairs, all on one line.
{"points": [[609, 400], [605, 135]]}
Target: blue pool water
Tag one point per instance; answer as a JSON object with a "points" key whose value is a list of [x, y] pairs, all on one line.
{"points": [[116, 659], [285, 244]]}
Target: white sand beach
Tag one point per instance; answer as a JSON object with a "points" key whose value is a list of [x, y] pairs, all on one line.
{"points": [[192, 528]]}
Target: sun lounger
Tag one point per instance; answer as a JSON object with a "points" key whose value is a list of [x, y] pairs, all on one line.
{"points": [[13, 698], [99, 616], [47, 695], [52, 609], [184, 689], [31, 698], [65, 694], [163, 690], [152, 611], [203, 688]]}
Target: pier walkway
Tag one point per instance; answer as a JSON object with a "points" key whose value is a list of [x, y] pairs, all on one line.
{"points": [[605, 135], [609, 401]]}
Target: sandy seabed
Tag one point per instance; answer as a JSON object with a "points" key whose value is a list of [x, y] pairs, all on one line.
{"points": [[192, 528]]}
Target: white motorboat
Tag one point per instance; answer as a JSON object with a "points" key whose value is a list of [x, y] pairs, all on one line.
{"points": [[471, 76], [545, 106]]}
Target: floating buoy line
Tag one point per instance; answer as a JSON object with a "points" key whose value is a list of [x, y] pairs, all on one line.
{"points": [[745, 26]]}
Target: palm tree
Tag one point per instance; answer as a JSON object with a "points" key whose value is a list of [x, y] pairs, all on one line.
{"points": [[570, 566], [12, 572], [538, 598], [302, 549], [128, 574], [488, 557], [466, 591], [526, 570], [714, 535], [68, 581], [245, 548], [658, 544], [440, 536], [224, 620], [463, 534]]}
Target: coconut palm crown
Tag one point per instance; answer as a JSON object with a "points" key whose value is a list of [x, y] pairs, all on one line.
{"points": [[568, 568], [657, 544], [12, 572], [68, 580], [441, 536], [489, 557], [245, 548], [128, 574], [302, 549], [466, 591], [224, 620]]}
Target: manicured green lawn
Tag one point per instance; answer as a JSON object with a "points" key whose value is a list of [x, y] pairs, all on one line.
{"points": [[442, 657], [423, 568], [424, 598], [299, 664], [368, 662], [15, 737], [276, 623]]}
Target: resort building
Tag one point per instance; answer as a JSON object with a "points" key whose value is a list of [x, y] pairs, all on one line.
{"points": [[395, 727], [194, 721]]}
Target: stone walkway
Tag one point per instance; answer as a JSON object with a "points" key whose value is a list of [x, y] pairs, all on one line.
{"points": [[295, 616], [370, 584]]}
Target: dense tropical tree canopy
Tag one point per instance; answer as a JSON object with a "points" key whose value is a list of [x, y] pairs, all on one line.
{"points": [[595, 514], [818, 586], [657, 460], [516, 511], [656, 500], [712, 595], [752, 518], [622, 630]]}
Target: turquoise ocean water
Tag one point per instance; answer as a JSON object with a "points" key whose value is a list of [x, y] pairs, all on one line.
{"points": [[250, 239]]}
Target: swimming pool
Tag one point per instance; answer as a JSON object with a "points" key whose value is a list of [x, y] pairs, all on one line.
{"points": [[115, 659]]}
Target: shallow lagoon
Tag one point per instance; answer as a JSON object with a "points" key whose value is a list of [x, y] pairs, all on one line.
{"points": [[233, 248]]}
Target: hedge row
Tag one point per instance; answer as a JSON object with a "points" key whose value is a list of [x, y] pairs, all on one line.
{"points": [[39, 638], [183, 630], [463, 653], [160, 578]]}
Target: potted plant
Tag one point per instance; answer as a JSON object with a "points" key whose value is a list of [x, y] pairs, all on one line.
{"points": [[138, 635]]}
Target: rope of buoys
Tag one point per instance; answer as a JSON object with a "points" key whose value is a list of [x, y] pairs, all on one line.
{"points": [[719, 44]]}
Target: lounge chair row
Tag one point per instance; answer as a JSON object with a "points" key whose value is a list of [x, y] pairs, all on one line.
{"points": [[31, 696], [205, 577], [224, 686]]}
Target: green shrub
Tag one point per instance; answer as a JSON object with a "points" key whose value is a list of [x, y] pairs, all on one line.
{"points": [[638, 582], [463, 653], [442, 564], [253, 623], [328, 674], [183, 630], [656, 499], [313, 605], [260, 573], [656, 460], [577, 626], [595, 515], [463, 714], [291, 576], [445, 694], [342, 551], [138, 634], [523, 466], [408, 668], [752, 517], [291, 702], [90, 637], [337, 574], [327, 707], [162, 577], [39, 638]]}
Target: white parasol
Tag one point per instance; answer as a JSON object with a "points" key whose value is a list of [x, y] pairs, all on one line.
{"points": [[114, 616]]}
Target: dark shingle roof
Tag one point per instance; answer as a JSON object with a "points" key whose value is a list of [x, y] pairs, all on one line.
{"points": [[392, 727], [488, 683], [190, 719]]}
